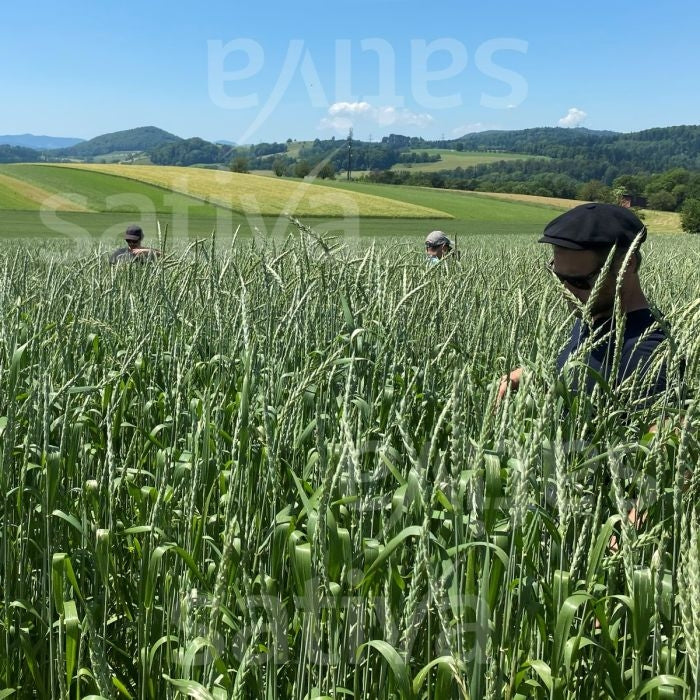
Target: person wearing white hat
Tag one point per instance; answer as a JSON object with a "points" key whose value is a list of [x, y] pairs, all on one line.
{"points": [[437, 245]]}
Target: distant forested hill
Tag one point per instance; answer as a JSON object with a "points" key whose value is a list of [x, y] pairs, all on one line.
{"points": [[580, 154], [144, 138], [650, 150], [38, 142], [541, 141], [189, 152], [18, 154], [661, 164]]}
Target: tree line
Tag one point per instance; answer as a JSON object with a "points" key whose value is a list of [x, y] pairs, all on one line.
{"points": [[18, 154], [667, 190]]}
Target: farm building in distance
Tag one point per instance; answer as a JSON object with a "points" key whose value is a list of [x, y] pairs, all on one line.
{"points": [[628, 200]]}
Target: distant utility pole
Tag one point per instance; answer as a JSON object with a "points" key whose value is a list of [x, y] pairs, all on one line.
{"points": [[370, 138], [349, 152]]}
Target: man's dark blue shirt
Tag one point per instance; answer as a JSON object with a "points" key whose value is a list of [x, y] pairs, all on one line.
{"points": [[636, 352]]}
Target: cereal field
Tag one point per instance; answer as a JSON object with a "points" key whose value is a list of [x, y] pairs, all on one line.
{"points": [[279, 471]]}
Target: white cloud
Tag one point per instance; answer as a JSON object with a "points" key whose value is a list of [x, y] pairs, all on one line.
{"points": [[349, 108], [573, 117], [343, 115]]}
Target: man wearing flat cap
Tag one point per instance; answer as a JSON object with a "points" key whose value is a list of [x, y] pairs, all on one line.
{"points": [[582, 239], [134, 250], [437, 245]]}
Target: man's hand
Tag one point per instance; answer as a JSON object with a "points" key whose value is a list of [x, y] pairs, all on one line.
{"points": [[512, 380], [146, 252]]}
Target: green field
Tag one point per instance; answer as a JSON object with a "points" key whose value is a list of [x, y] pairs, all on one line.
{"points": [[107, 193], [117, 201], [107, 228], [11, 199], [254, 196], [473, 213], [279, 472], [136, 157], [294, 148], [451, 159]]}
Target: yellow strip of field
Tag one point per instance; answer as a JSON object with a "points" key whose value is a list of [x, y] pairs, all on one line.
{"points": [[255, 195], [656, 221], [46, 199], [555, 202], [662, 221]]}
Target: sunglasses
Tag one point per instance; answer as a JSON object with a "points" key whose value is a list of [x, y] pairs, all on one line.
{"points": [[583, 282]]}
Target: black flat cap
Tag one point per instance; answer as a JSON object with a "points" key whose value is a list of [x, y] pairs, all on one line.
{"points": [[133, 233], [594, 226]]}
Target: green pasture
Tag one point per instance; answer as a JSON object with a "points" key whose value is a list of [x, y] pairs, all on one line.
{"points": [[294, 148], [451, 159], [107, 193], [108, 227], [469, 208], [219, 166], [139, 157], [14, 200], [119, 201], [257, 196], [105, 227]]}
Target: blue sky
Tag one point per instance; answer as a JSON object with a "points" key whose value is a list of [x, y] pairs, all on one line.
{"points": [[264, 71]]}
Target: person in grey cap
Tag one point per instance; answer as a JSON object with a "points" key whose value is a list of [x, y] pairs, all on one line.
{"points": [[582, 239], [437, 245], [134, 250]]}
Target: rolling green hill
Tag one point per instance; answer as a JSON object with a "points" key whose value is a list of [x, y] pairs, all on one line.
{"points": [[117, 201], [124, 157], [451, 159], [143, 138], [18, 154], [39, 143], [464, 206], [295, 147], [12, 197], [103, 204], [255, 196], [108, 193]]}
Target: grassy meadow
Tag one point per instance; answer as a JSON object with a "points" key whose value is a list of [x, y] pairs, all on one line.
{"points": [[254, 195], [470, 210], [277, 470], [103, 192], [656, 221], [40, 203], [97, 202], [87, 205], [19, 194], [451, 159]]}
